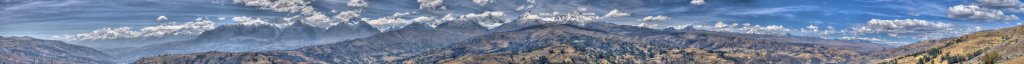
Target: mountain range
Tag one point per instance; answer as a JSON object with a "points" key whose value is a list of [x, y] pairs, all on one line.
{"points": [[595, 42], [240, 37], [518, 42]]}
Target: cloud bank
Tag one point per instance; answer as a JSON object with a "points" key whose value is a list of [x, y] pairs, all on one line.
{"points": [[616, 13], [973, 12], [654, 18], [358, 3], [998, 3], [159, 31], [430, 4], [894, 28]]}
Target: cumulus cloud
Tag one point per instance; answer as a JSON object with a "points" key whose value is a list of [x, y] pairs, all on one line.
{"points": [[388, 23], [817, 30], [998, 3], [244, 20], [973, 12], [319, 20], [579, 17], [430, 4], [697, 2], [490, 19], [291, 6], [482, 2], [654, 18], [347, 15], [159, 31], [358, 3], [811, 28], [895, 28], [161, 18], [746, 28], [385, 24], [616, 13]]}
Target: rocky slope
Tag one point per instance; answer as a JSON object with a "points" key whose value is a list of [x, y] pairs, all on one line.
{"points": [[985, 47], [551, 43], [28, 50]]}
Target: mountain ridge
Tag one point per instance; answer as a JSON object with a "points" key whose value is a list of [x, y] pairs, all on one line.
{"points": [[28, 50], [989, 46], [399, 44]]}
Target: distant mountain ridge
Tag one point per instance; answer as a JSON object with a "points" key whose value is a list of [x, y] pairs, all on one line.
{"points": [[239, 37], [28, 50], [432, 45]]}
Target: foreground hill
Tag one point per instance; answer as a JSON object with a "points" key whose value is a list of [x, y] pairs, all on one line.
{"points": [[28, 50], [552, 43], [573, 44], [993, 46]]}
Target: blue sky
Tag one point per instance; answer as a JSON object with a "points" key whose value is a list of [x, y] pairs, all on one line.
{"points": [[47, 18]]}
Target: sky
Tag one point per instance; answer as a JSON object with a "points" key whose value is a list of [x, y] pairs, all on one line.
{"points": [[895, 22]]}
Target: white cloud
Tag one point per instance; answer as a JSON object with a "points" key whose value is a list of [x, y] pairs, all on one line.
{"points": [[531, 4], [616, 13], [358, 3], [482, 2], [423, 19], [913, 27], [249, 21], [291, 6], [162, 30], [347, 15], [556, 17], [654, 18], [161, 18], [647, 25], [388, 23], [524, 7], [487, 19], [998, 3], [746, 28], [320, 20], [973, 12], [430, 4], [697, 2], [811, 28]]}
